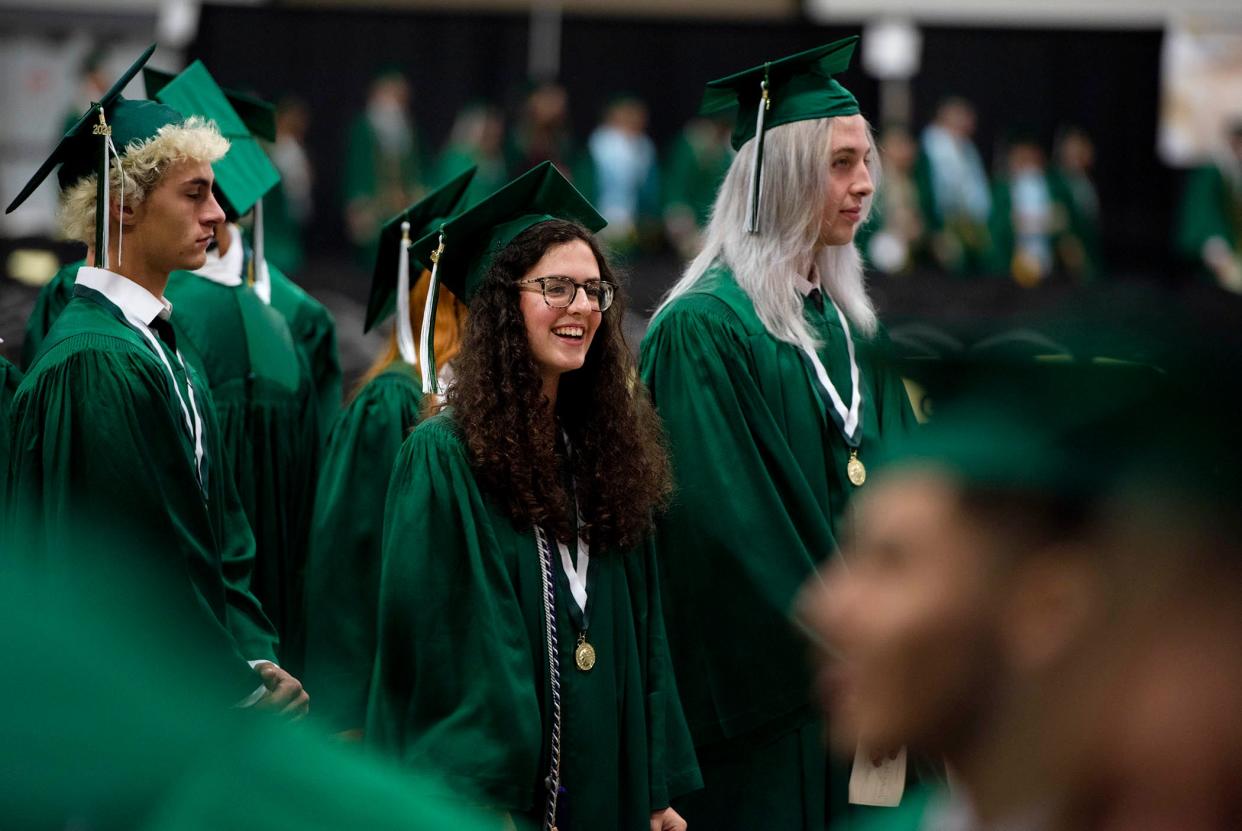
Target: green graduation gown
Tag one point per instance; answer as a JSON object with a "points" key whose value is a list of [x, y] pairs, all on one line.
{"points": [[761, 488], [265, 402], [10, 377], [461, 681], [49, 303], [314, 334], [343, 566], [103, 467]]}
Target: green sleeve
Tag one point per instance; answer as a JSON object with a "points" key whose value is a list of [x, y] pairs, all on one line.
{"points": [[54, 295], [454, 684], [112, 487], [673, 766], [768, 526], [250, 627], [343, 568]]}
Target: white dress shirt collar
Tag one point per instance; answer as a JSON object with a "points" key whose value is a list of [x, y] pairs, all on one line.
{"points": [[135, 302]]}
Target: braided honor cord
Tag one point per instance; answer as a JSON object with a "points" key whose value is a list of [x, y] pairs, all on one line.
{"points": [[553, 782]]}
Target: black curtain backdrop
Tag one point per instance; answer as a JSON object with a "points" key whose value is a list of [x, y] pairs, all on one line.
{"points": [[1032, 79]]}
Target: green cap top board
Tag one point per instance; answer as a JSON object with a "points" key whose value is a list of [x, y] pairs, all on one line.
{"points": [[390, 281], [245, 173]]}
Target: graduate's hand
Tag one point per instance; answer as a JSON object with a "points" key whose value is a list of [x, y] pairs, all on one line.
{"points": [[284, 692], [667, 820]]}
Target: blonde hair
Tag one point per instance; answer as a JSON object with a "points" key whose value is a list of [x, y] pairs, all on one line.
{"points": [[769, 264], [143, 164]]}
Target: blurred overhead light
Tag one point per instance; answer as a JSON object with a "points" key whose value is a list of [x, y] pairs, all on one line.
{"points": [[892, 49]]}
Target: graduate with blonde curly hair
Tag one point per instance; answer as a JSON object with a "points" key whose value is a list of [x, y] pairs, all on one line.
{"points": [[116, 452]]}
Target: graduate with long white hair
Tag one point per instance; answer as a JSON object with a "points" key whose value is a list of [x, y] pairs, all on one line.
{"points": [[759, 363]]}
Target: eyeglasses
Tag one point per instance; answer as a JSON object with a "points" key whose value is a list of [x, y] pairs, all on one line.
{"points": [[559, 292]]}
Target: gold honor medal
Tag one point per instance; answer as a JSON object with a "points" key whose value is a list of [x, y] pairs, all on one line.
{"points": [[855, 470], [584, 653]]}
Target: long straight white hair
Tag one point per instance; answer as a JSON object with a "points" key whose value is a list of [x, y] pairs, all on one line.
{"points": [[769, 264]]}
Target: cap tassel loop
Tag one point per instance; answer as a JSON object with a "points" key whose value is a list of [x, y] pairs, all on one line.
{"points": [[103, 207], [120, 225], [427, 355], [756, 173], [405, 331], [260, 276]]}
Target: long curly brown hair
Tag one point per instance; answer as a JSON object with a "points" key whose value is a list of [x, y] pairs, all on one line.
{"points": [[620, 464]]}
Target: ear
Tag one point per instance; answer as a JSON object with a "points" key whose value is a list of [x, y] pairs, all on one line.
{"points": [[1057, 595], [127, 215]]}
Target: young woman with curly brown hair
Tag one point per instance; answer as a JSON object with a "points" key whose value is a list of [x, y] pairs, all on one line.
{"points": [[521, 639]]}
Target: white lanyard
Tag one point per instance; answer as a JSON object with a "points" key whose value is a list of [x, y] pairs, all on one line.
{"points": [[193, 423], [577, 576], [849, 418]]}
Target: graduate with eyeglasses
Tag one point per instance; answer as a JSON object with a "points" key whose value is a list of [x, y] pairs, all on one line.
{"points": [[521, 640], [759, 363]]}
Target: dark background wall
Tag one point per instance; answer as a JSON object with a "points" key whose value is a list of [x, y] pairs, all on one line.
{"points": [[1036, 80]]}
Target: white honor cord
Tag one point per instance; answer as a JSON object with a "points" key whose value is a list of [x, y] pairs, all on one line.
{"points": [[262, 277], [849, 418], [405, 332]]}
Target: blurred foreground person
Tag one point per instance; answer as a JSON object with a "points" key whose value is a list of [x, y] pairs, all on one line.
{"points": [[521, 646], [969, 588], [101, 709], [343, 570], [1158, 742], [117, 453], [759, 361]]}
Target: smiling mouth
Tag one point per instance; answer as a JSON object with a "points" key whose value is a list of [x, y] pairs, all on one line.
{"points": [[573, 334]]}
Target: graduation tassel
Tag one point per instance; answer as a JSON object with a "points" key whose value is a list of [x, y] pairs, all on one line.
{"points": [[405, 331], [103, 209], [120, 225], [756, 173], [427, 355], [260, 277]]}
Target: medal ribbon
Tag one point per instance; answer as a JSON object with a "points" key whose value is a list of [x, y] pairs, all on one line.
{"points": [[848, 420], [576, 575]]}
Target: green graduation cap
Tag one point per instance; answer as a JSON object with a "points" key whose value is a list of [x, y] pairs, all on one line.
{"points": [[796, 88], [107, 128], [245, 173], [462, 249], [391, 279]]}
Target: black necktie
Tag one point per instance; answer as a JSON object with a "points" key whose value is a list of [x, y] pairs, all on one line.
{"points": [[161, 327], [817, 299]]}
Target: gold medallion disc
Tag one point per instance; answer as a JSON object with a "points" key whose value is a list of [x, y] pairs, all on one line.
{"points": [[855, 470], [584, 655]]}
